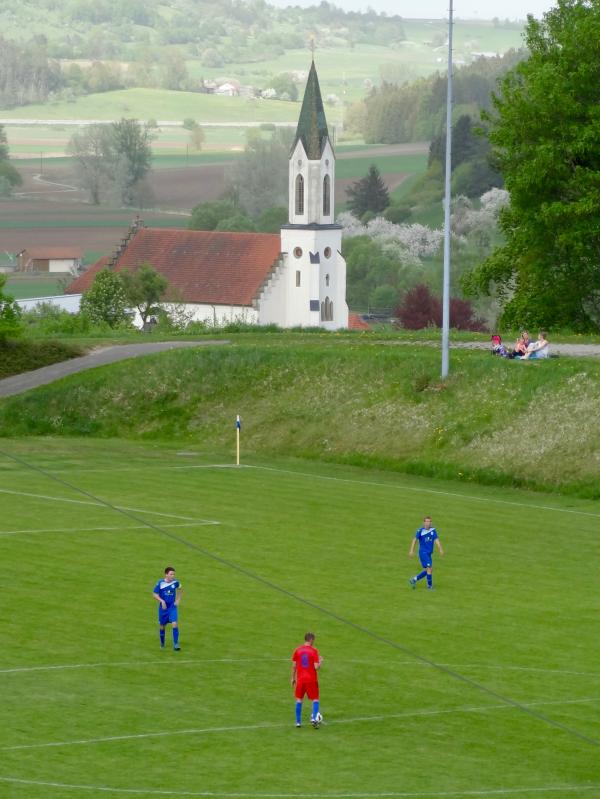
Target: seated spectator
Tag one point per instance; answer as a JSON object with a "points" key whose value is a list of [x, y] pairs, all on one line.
{"points": [[498, 347], [520, 348], [538, 349], [526, 340]]}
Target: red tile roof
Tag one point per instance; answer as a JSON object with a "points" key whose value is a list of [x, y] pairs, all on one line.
{"points": [[201, 266], [355, 322], [44, 253]]}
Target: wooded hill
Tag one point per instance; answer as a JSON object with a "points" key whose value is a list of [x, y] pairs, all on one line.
{"points": [[53, 48]]}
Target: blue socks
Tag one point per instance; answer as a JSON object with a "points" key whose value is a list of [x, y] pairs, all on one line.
{"points": [[162, 637], [429, 580], [421, 575], [175, 636], [298, 712], [315, 709]]}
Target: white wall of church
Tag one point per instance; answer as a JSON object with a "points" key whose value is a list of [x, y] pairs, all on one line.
{"points": [[313, 175], [210, 315], [320, 278]]}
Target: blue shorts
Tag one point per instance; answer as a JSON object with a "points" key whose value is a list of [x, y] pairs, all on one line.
{"points": [[425, 558], [167, 616]]}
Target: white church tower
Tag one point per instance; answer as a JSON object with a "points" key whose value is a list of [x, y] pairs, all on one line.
{"points": [[311, 242]]}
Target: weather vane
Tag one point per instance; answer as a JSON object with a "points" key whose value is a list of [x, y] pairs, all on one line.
{"points": [[312, 46]]}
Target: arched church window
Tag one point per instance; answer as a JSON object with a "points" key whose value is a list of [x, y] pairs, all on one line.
{"points": [[326, 195], [297, 278], [299, 195]]}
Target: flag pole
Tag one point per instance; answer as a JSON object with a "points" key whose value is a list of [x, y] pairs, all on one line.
{"points": [[447, 183], [238, 427]]}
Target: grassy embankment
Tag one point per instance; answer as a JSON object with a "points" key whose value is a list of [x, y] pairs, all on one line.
{"points": [[24, 355], [351, 399]]}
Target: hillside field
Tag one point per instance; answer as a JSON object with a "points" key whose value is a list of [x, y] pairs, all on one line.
{"points": [[486, 686], [49, 209], [365, 399]]}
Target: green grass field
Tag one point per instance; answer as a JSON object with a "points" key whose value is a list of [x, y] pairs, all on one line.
{"points": [[486, 686], [164, 105], [21, 288]]}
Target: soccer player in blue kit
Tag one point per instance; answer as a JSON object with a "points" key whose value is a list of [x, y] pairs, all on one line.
{"points": [[167, 593], [426, 536]]}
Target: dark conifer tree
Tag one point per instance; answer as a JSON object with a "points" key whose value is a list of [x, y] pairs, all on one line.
{"points": [[368, 194]]}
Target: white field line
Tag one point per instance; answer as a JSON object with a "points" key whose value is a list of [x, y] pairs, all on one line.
{"points": [[105, 505], [137, 664], [188, 661], [278, 725], [458, 794], [426, 491], [75, 529], [396, 487]]}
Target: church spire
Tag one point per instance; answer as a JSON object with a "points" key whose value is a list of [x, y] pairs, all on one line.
{"points": [[312, 125]]}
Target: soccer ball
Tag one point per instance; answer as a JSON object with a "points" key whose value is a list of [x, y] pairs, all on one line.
{"points": [[316, 722]]}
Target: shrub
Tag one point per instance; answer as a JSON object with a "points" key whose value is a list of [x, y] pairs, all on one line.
{"points": [[420, 308]]}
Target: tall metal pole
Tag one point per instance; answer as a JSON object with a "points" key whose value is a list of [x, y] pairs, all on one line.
{"points": [[446, 290]]}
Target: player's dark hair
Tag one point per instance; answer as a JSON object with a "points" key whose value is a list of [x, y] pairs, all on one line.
{"points": [[426, 517], [169, 569], [309, 637]]}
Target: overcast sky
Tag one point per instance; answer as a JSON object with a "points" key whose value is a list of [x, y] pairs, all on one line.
{"points": [[437, 9]]}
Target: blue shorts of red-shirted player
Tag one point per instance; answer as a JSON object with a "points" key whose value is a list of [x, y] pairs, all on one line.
{"points": [[167, 616], [308, 688]]}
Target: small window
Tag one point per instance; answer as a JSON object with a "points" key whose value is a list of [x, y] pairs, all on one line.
{"points": [[327, 310], [326, 195], [299, 195], [297, 252], [327, 252], [327, 280], [297, 277]]}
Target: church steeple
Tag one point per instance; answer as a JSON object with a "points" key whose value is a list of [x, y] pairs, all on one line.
{"points": [[312, 125], [312, 162], [314, 289]]}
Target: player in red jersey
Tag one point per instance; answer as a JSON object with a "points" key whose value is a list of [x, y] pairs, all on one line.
{"points": [[305, 662]]}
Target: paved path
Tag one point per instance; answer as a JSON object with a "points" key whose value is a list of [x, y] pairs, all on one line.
{"points": [[119, 352]]}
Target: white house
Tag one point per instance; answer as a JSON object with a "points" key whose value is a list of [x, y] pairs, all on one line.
{"points": [[297, 278]]}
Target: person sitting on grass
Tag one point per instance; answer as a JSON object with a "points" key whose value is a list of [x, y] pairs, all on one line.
{"points": [[538, 349], [520, 348]]}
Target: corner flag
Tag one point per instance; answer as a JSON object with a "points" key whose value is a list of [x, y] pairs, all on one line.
{"points": [[238, 427]]}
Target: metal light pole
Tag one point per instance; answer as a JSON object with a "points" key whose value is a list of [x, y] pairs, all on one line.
{"points": [[446, 289]]}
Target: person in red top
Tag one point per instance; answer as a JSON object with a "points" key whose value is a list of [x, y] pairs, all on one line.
{"points": [[305, 663]]}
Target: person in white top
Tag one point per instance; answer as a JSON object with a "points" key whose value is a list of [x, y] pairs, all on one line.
{"points": [[537, 349]]}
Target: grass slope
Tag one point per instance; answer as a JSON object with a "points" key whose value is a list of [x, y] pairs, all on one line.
{"points": [[486, 685], [19, 356], [161, 104], [351, 398]]}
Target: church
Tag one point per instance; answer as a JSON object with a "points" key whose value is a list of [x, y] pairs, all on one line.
{"points": [[295, 279]]}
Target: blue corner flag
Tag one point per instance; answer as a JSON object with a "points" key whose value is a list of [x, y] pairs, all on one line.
{"points": [[238, 422]]}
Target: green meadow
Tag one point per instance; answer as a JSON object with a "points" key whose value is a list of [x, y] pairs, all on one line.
{"points": [[486, 686], [160, 104]]}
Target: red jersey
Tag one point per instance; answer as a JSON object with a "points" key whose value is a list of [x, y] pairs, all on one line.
{"points": [[305, 657]]}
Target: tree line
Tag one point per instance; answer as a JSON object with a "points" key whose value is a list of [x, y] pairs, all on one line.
{"points": [[217, 33], [416, 111]]}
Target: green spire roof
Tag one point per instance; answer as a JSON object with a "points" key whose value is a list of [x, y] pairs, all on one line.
{"points": [[312, 125]]}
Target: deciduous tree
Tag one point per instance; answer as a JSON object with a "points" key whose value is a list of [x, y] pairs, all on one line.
{"points": [[144, 288], [545, 131], [105, 300]]}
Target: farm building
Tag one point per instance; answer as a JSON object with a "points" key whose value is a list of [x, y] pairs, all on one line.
{"points": [[297, 278], [50, 259]]}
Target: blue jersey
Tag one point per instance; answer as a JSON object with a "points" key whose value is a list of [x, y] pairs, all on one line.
{"points": [[167, 591], [426, 538]]}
